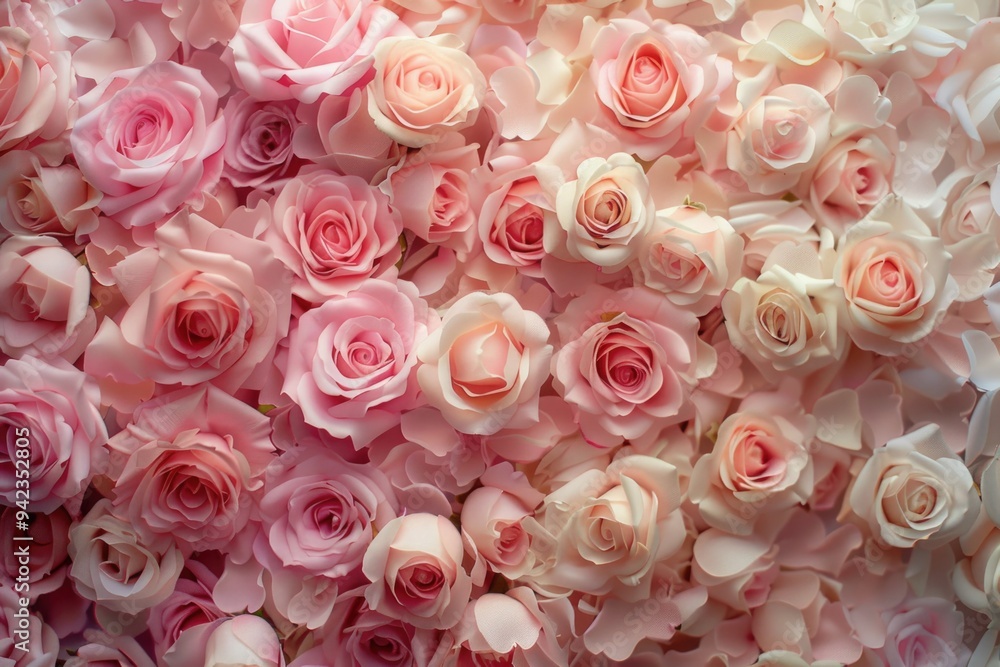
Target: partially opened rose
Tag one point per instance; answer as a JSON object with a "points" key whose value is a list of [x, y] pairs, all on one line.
{"points": [[150, 138], [35, 88], [42, 196], [415, 566], [423, 88], [486, 364]]}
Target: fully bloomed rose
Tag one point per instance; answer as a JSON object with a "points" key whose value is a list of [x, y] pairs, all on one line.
{"points": [[45, 298], [112, 566], [334, 232], [35, 87], [604, 531], [484, 367], [922, 628], [627, 362], [150, 139], [40, 195], [915, 492], [351, 361], [304, 50], [55, 409], [415, 568], [659, 82], [423, 88], [186, 466], [258, 149], [894, 277], [209, 304]]}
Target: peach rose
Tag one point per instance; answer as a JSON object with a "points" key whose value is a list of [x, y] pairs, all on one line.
{"points": [[915, 492], [484, 367], [424, 87], [894, 277], [603, 214], [415, 566], [690, 256]]}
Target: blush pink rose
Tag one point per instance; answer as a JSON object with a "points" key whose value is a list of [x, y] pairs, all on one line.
{"points": [[209, 304], [415, 566], [150, 139], [186, 466], [45, 298], [351, 361], [894, 277], [430, 189], [659, 83], [299, 50], [42, 641], [55, 408], [850, 179], [258, 149], [926, 627], [484, 367], [423, 88], [334, 232], [40, 195], [113, 567], [627, 362], [35, 88], [245, 640], [781, 135]]}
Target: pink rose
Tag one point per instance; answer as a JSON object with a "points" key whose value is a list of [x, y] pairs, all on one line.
{"points": [[113, 567], [288, 50], [334, 232], [415, 566], [320, 513], [970, 229], [338, 133], [208, 304], [48, 558], [45, 298], [850, 179], [186, 466], [604, 532], [430, 189], [894, 277], [926, 628], [258, 149], [781, 135], [150, 139], [659, 82], [351, 361], [759, 464], [188, 606], [627, 362], [245, 640], [42, 196], [690, 256], [35, 88], [104, 650], [915, 492], [25, 641], [366, 638], [51, 414], [484, 367], [423, 88]]}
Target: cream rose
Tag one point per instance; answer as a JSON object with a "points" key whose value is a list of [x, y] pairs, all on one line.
{"points": [[914, 491], [485, 365], [424, 87], [603, 214]]}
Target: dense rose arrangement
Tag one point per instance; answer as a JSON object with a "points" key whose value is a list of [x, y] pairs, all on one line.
{"points": [[443, 333]]}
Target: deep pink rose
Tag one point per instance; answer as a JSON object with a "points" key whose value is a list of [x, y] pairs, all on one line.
{"points": [[52, 412], [334, 232], [258, 149], [150, 138], [351, 361]]}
